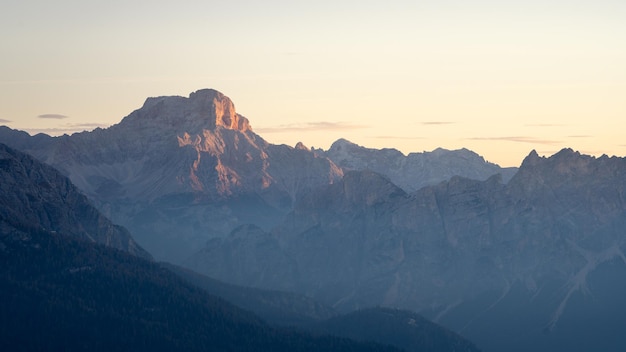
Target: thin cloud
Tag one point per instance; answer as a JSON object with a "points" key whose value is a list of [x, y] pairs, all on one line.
{"points": [[4, 121], [78, 126], [310, 126], [53, 116], [580, 136], [66, 129], [545, 125], [396, 137], [434, 123], [519, 139], [597, 152]]}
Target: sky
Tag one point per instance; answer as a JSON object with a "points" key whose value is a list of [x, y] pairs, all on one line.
{"points": [[500, 78]]}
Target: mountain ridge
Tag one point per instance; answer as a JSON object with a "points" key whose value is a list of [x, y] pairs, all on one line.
{"points": [[180, 171], [414, 170]]}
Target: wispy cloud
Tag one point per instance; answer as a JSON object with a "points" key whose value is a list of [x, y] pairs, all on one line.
{"points": [[396, 137], [519, 139], [66, 128], [53, 116], [545, 125], [431, 123], [4, 121], [310, 126], [580, 136]]}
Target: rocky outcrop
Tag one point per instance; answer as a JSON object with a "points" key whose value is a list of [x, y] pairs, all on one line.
{"points": [[466, 253], [415, 170], [34, 196]]}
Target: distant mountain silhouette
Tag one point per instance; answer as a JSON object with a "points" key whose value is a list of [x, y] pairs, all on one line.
{"points": [[415, 170]]}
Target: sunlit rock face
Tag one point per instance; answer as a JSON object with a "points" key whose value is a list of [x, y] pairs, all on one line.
{"points": [[528, 265]]}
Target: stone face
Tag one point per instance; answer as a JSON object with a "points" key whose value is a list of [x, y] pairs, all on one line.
{"points": [[463, 252], [36, 196], [415, 170]]}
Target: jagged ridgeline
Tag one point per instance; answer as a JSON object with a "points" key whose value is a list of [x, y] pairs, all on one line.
{"points": [[181, 170]]}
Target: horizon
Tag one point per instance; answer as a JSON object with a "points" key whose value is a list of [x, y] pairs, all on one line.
{"points": [[498, 78]]}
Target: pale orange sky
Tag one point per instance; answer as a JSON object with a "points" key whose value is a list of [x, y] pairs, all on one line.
{"points": [[497, 77]]}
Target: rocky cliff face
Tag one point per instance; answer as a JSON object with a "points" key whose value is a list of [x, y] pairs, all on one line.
{"points": [[488, 259], [173, 145], [35, 196], [416, 170], [181, 170]]}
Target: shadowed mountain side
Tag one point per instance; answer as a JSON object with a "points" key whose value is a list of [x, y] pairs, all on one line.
{"points": [[36, 196], [275, 307], [456, 252], [402, 329], [66, 294], [399, 328]]}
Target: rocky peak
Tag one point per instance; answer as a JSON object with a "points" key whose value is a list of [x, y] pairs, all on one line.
{"points": [[567, 169], [301, 146], [565, 162], [205, 109], [340, 144]]}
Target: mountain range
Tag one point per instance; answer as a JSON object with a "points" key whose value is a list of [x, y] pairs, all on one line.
{"points": [[67, 284], [515, 259], [511, 266], [415, 170], [181, 170]]}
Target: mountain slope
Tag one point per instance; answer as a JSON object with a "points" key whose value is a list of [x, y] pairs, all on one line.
{"points": [[275, 307], [36, 196], [402, 329], [399, 328], [61, 293]]}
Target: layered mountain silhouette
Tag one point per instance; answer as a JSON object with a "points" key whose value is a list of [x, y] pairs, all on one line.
{"points": [[70, 280], [517, 260], [182, 170]]}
